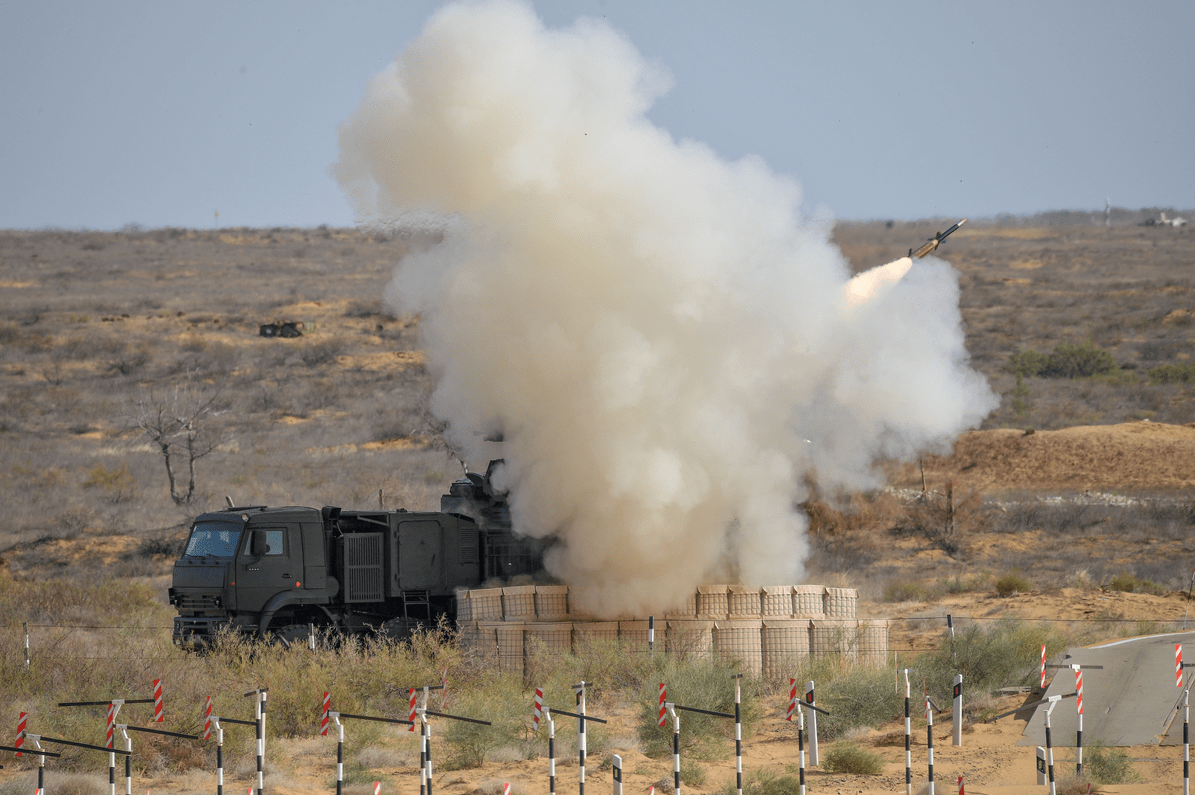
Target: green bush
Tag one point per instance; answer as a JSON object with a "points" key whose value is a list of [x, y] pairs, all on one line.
{"points": [[864, 696], [1003, 654], [852, 759], [1065, 361], [1108, 765], [1131, 583], [1172, 374], [1011, 584], [702, 684], [765, 782]]}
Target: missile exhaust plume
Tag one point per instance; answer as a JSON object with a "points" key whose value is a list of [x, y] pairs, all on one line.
{"points": [[655, 331]]}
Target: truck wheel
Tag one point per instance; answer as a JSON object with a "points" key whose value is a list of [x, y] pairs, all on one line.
{"points": [[290, 634]]}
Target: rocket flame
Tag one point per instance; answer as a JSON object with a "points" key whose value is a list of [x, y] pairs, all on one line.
{"points": [[655, 331]]}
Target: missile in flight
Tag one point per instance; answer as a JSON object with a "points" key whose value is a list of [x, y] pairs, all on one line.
{"points": [[934, 241]]}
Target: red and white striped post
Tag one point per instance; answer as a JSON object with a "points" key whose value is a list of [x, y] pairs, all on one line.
{"points": [[960, 785], [412, 717], [377, 788], [159, 712], [1079, 712], [792, 701], [207, 718], [1043, 666], [22, 722], [113, 709], [663, 698], [326, 707], [1178, 665], [537, 710]]}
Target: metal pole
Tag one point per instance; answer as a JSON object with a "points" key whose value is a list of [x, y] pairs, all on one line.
{"points": [[617, 766], [908, 739], [219, 755], [580, 733], [1079, 708], [1049, 747], [427, 730], [259, 723], [113, 709], [738, 735], [814, 759], [1186, 743], [801, 744], [551, 752], [422, 753], [339, 752], [675, 747], [957, 713], [27, 650], [128, 760], [929, 734], [651, 634]]}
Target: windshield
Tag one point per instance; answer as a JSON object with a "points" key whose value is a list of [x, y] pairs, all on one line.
{"points": [[218, 539]]}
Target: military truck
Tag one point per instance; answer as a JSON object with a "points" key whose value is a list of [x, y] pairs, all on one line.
{"points": [[275, 571]]}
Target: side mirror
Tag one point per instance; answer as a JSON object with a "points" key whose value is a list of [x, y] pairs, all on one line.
{"points": [[257, 544]]}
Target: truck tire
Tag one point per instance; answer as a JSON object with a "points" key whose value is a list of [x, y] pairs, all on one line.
{"points": [[290, 634]]}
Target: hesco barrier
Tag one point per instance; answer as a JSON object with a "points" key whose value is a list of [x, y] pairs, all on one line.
{"points": [[764, 629]]}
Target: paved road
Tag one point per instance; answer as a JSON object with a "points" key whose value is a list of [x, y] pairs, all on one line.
{"points": [[1126, 703]]}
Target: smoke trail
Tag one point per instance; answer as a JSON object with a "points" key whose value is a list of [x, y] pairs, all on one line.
{"points": [[667, 344]]}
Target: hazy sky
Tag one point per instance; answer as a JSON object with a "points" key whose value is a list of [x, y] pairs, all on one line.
{"points": [[165, 113]]}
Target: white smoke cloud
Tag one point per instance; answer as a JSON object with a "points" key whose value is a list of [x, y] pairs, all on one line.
{"points": [[656, 331]]}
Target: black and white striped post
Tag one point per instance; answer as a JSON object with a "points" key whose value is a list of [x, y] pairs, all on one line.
{"points": [[128, 744], [580, 690], [908, 738], [674, 710], [37, 739], [801, 744], [616, 766], [738, 734], [1078, 694], [217, 724], [929, 737], [335, 717], [41, 757], [1186, 742], [551, 751], [1052, 702], [957, 712], [795, 704], [651, 634], [259, 700], [422, 713], [814, 759], [542, 709], [675, 746]]}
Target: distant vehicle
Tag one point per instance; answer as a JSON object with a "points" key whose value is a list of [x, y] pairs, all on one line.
{"points": [[1175, 222], [273, 571]]}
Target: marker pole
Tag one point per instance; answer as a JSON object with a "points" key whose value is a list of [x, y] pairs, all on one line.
{"points": [[1079, 709], [929, 734], [339, 752], [1050, 748], [738, 735], [957, 714], [427, 732], [617, 768], [219, 754], [1186, 743], [261, 740], [908, 739], [128, 761], [801, 744], [580, 733], [814, 759], [651, 636], [551, 752], [675, 747]]}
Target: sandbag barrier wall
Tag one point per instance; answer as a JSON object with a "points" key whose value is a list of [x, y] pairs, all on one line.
{"points": [[763, 628]]}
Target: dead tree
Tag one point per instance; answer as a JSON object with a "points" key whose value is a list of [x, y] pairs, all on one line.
{"points": [[182, 423]]}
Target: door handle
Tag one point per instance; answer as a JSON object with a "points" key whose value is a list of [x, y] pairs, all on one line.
{"points": [[286, 576]]}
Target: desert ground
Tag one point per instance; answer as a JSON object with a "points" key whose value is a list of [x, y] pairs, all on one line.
{"points": [[1078, 490]]}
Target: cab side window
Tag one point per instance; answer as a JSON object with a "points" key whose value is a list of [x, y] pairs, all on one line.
{"points": [[274, 542]]}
